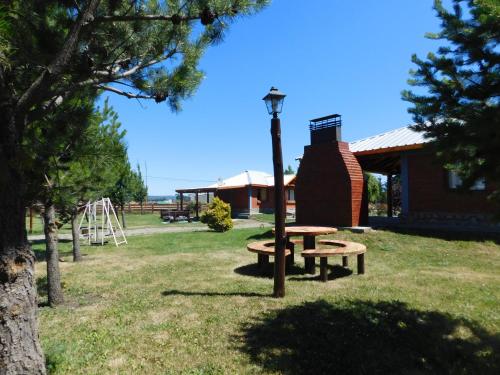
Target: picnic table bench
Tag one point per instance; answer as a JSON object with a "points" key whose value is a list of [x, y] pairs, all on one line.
{"points": [[342, 248], [264, 250], [174, 215]]}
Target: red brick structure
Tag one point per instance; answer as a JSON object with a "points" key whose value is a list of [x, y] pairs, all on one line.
{"points": [[329, 184]]}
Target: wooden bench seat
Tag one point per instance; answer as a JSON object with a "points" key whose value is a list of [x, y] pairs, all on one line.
{"points": [[264, 250], [338, 247]]}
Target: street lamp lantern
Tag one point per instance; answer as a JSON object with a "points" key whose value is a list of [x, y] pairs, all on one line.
{"points": [[274, 101]]}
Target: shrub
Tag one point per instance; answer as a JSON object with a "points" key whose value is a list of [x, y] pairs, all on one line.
{"points": [[218, 216]]}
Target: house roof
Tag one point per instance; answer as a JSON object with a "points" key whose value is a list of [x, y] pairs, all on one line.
{"points": [[253, 178], [246, 178], [394, 140]]}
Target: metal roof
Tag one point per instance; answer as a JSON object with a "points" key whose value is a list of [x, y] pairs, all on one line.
{"points": [[395, 138], [246, 178], [254, 178]]}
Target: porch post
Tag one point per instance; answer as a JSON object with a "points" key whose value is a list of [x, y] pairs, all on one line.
{"points": [[405, 193], [389, 195], [182, 201], [197, 210], [249, 200]]}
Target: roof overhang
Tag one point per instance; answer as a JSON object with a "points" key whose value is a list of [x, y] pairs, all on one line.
{"points": [[197, 190], [389, 149]]}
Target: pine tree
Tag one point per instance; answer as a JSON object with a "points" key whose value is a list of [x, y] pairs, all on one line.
{"points": [[53, 52], [460, 107], [289, 170]]}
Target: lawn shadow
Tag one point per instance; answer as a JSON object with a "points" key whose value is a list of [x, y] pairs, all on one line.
{"points": [[262, 236], [40, 254], [175, 292], [359, 337], [335, 272], [447, 235], [254, 270]]}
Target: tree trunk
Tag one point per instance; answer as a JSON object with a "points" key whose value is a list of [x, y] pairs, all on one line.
{"points": [[77, 256], [54, 289], [142, 212], [20, 350], [124, 224]]}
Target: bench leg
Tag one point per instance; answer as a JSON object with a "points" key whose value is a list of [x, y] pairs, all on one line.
{"points": [[345, 261], [310, 263], [323, 269], [361, 264]]}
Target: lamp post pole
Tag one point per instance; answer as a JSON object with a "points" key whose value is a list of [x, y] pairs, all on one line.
{"points": [[274, 103], [279, 209]]}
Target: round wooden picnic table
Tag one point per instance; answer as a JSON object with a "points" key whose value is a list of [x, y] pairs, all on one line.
{"points": [[309, 234]]}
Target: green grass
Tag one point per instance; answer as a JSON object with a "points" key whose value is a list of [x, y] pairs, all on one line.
{"points": [[268, 218], [194, 303]]}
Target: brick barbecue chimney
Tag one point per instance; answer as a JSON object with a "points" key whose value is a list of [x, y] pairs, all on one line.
{"points": [[329, 185]]}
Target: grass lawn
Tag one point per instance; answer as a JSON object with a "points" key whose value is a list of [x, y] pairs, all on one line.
{"points": [[194, 303]]}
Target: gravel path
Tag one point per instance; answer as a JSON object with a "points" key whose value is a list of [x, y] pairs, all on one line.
{"points": [[238, 224]]}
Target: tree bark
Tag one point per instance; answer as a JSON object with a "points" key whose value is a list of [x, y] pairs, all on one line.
{"points": [[54, 289], [20, 350], [124, 224], [77, 256]]}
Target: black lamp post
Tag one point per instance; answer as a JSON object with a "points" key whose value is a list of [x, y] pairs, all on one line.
{"points": [[274, 102]]}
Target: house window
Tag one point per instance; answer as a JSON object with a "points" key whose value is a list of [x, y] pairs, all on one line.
{"points": [[290, 194], [262, 195], [455, 182]]}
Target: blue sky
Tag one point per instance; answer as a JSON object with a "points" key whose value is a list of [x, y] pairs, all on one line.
{"points": [[328, 56]]}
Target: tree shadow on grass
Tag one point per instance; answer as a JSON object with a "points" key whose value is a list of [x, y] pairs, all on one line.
{"points": [[358, 337], [40, 254], [175, 292]]}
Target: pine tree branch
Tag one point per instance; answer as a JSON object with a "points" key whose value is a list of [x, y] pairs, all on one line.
{"points": [[144, 17], [128, 95], [51, 73]]}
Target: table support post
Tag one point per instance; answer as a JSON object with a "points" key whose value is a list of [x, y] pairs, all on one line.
{"points": [[345, 261], [310, 263]]}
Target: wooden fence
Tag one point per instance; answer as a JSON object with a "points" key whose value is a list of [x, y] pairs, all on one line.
{"points": [[157, 207]]}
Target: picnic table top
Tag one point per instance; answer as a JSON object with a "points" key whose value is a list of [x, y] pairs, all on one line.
{"points": [[308, 230]]}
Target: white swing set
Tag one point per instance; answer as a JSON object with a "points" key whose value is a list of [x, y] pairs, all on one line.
{"points": [[101, 221]]}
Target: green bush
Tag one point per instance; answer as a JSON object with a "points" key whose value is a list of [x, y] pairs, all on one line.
{"points": [[218, 216]]}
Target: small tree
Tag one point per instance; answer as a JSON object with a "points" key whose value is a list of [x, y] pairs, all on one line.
{"points": [[139, 189], [218, 216]]}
